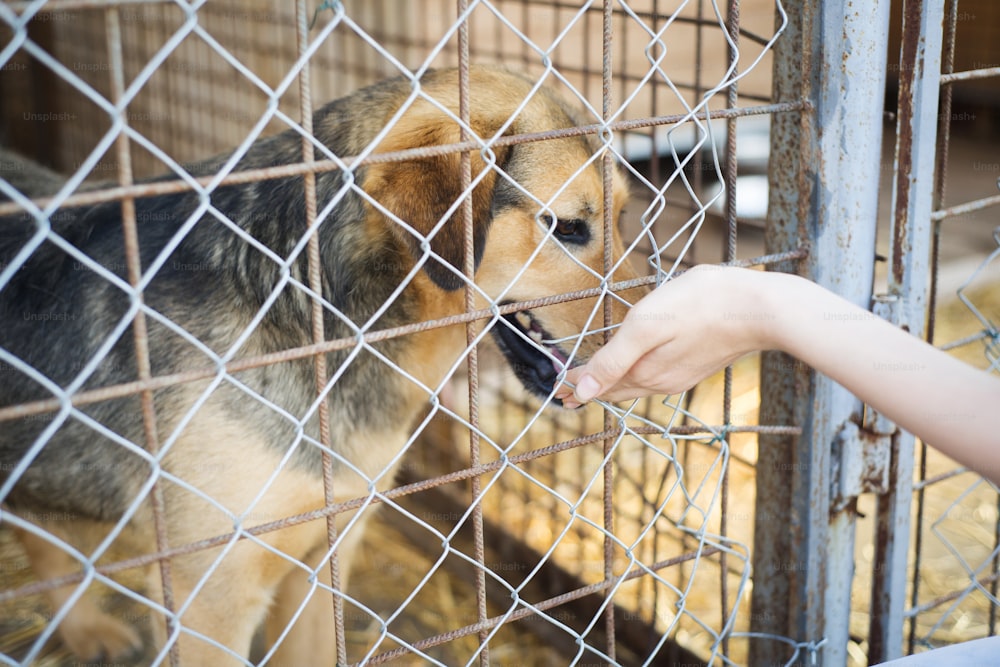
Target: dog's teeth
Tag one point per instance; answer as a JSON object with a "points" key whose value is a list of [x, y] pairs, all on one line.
{"points": [[524, 320], [536, 336]]}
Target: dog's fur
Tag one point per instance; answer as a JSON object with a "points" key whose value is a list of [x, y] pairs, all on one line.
{"points": [[226, 460]]}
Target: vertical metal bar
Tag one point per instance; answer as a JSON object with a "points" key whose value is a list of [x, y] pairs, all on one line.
{"points": [[849, 124], [781, 378], [469, 269], [133, 267], [654, 85], [838, 56], [608, 166], [729, 254], [316, 284], [909, 255], [941, 159], [698, 93]]}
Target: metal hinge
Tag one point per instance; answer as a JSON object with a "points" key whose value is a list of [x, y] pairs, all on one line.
{"points": [[865, 451]]}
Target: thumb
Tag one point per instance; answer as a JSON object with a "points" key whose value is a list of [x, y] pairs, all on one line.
{"points": [[611, 363]]}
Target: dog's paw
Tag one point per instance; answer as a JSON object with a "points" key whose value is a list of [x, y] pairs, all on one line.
{"points": [[97, 636]]}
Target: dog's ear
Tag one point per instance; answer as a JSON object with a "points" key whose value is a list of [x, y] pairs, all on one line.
{"points": [[421, 191]]}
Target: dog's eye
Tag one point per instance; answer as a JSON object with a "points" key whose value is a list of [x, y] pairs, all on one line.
{"points": [[569, 231]]}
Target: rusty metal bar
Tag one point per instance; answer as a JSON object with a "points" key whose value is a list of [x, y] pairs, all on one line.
{"points": [[161, 381], [133, 264], [909, 269], [609, 418], [355, 503], [948, 597], [940, 180], [780, 375], [852, 69], [315, 278], [469, 270], [139, 191], [728, 255], [967, 207], [970, 75], [544, 605]]}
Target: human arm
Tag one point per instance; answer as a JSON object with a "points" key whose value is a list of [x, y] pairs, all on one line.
{"points": [[705, 319]]}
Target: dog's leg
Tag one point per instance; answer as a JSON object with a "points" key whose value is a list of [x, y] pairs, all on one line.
{"points": [[312, 640], [226, 609], [87, 631]]}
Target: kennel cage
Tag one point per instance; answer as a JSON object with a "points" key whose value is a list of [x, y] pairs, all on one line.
{"points": [[624, 532]]}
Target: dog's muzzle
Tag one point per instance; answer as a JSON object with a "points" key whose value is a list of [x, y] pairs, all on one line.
{"points": [[535, 362]]}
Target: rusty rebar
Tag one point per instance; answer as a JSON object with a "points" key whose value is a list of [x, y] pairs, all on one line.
{"points": [[465, 214], [970, 75], [608, 262], [100, 196], [315, 279], [967, 207], [140, 334], [122, 390], [544, 605], [398, 492], [729, 254]]}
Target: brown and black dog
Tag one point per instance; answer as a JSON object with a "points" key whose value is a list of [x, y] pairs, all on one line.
{"points": [[225, 277]]}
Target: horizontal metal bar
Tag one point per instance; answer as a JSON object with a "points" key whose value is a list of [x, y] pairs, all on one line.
{"points": [[73, 5], [971, 338], [937, 479], [970, 75], [144, 190], [356, 503], [162, 381], [968, 207], [525, 612], [938, 601]]}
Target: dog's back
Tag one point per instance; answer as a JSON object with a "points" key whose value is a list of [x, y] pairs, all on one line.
{"points": [[67, 315]]}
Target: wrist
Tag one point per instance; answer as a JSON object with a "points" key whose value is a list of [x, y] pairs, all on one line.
{"points": [[764, 298], [785, 300]]}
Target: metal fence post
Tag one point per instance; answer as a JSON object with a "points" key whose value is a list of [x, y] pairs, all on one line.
{"points": [[909, 256], [824, 179]]}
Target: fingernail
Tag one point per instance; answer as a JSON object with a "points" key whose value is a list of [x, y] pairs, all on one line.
{"points": [[586, 389]]}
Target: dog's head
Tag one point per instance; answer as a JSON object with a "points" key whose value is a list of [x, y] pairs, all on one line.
{"points": [[538, 211]]}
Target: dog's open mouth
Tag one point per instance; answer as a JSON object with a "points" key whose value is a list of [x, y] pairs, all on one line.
{"points": [[536, 362]]}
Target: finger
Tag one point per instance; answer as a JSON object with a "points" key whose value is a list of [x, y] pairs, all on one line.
{"points": [[612, 362], [564, 392]]}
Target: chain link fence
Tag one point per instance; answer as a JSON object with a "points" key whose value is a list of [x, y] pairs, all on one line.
{"points": [[502, 529], [952, 591]]}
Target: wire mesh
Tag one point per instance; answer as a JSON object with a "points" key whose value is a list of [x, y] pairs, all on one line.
{"points": [[956, 554], [948, 531], [620, 530]]}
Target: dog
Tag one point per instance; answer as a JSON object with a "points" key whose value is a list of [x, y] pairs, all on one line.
{"points": [[224, 280]]}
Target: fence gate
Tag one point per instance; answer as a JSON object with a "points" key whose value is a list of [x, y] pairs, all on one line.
{"points": [[846, 452]]}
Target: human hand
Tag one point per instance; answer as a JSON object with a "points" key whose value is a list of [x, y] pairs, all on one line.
{"points": [[684, 331]]}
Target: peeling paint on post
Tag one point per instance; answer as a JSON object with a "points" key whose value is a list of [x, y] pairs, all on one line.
{"points": [[909, 263], [824, 183]]}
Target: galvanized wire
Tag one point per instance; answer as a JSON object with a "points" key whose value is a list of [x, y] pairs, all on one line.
{"points": [[659, 441], [930, 488]]}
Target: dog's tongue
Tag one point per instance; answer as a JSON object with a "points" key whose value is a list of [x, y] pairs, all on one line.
{"points": [[559, 363]]}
